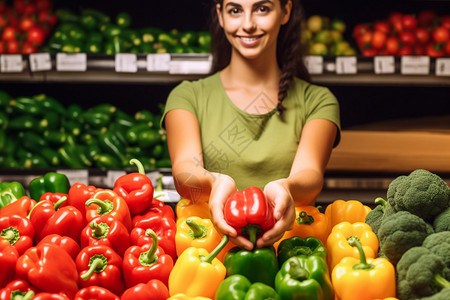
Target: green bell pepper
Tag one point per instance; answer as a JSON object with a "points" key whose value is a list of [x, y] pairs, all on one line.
{"points": [[304, 277], [237, 287], [298, 246], [52, 182], [258, 265], [10, 192]]}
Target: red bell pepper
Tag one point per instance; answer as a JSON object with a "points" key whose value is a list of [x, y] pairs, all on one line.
{"points": [[141, 264], [100, 265], [21, 207], [136, 189], [152, 290], [95, 292], [8, 259], [54, 197], [249, 212], [49, 268], [65, 242], [159, 208], [107, 202], [106, 230], [18, 231], [164, 227], [79, 193], [48, 218], [16, 288], [51, 296]]}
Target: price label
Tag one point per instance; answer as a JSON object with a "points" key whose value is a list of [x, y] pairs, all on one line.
{"points": [[10, 63], [40, 62], [76, 62], [76, 176], [111, 177], [189, 67], [159, 62], [126, 62], [415, 65], [384, 64], [346, 65], [314, 64], [442, 66]]}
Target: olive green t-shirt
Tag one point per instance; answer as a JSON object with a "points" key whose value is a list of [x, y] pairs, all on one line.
{"points": [[253, 149]]}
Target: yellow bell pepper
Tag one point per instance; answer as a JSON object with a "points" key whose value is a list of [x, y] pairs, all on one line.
{"points": [[198, 273], [361, 278], [186, 208], [351, 211], [338, 247], [184, 297], [199, 233]]}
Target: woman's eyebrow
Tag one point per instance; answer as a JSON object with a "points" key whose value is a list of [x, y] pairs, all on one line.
{"points": [[254, 4]]}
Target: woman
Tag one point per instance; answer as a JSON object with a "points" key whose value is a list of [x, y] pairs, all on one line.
{"points": [[255, 121]]}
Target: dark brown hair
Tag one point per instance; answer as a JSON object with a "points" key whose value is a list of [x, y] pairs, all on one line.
{"points": [[289, 49]]}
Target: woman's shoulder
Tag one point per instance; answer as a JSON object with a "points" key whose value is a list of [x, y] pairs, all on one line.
{"points": [[207, 82]]}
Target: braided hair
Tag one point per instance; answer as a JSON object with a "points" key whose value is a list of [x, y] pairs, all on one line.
{"points": [[289, 49]]}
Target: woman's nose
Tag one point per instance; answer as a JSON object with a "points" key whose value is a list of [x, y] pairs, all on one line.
{"points": [[249, 22]]}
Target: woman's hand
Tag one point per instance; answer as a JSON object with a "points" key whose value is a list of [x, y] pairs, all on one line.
{"points": [[284, 212]]}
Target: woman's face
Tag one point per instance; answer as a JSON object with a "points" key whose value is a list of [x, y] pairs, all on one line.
{"points": [[252, 26]]}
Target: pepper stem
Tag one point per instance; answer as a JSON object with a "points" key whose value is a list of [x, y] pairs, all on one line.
{"points": [[209, 258], [382, 202], [18, 295], [304, 218], [59, 202], [104, 206], [197, 231], [296, 271], [441, 281], [149, 257], [363, 265], [97, 263], [7, 193], [138, 164], [99, 231], [10, 234], [252, 231]]}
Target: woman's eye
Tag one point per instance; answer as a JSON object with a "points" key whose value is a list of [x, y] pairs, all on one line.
{"points": [[233, 11], [263, 9]]}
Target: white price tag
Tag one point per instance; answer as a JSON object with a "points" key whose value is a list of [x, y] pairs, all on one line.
{"points": [[111, 177], [384, 64], [75, 176], [159, 62], [40, 62], [442, 66], [346, 65], [126, 62], [71, 62], [314, 64], [10, 63], [189, 67], [415, 65]]}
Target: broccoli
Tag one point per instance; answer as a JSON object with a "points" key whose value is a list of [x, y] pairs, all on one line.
{"points": [[419, 274], [442, 221], [422, 193], [401, 231], [374, 217], [444, 294], [439, 244]]}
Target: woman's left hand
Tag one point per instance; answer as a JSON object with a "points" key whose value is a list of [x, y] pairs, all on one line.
{"points": [[279, 196]]}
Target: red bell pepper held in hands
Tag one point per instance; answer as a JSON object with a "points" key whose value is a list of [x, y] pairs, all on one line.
{"points": [[49, 268], [136, 189], [18, 231], [249, 212], [8, 259], [48, 218], [106, 230], [95, 292], [79, 193], [99, 265], [107, 202], [15, 288], [65, 242], [164, 227], [141, 264], [152, 290], [21, 207]]}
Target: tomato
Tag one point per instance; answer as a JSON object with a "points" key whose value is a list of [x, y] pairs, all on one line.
{"points": [[425, 17], [365, 40], [47, 17], [392, 45], [29, 9], [422, 35], [379, 39], [12, 46], [36, 36], [360, 29], [395, 19], [369, 52], [441, 35], [409, 22], [407, 38], [405, 50], [434, 50], [419, 49], [9, 33], [445, 21], [26, 23], [382, 26], [28, 48]]}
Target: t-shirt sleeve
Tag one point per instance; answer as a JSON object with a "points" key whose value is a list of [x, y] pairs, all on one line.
{"points": [[181, 97]]}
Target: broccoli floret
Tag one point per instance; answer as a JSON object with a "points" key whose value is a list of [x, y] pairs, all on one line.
{"points": [[401, 231], [444, 294], [375, 216], [442, 221], [419, 274], [422, 193], [439, 244]]}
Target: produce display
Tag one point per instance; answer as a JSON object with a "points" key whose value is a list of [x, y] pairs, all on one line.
{"points": [[38, 131], [85, 242], [424, 33]]}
